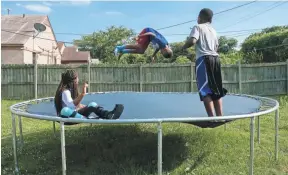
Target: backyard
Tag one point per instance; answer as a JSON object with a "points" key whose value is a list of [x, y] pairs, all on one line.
{"points": [[132, 149]]}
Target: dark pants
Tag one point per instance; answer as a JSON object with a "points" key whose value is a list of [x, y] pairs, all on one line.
{"points": [[99, 111], [209, 78]]}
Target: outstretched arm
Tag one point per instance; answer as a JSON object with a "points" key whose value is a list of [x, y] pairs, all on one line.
{"points": [[154, 54], [148, 33], [191, 41]]}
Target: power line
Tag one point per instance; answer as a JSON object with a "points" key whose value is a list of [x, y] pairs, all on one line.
{"points": [[261, 12], [35, 37], [214, 14], [264, 48], [79, 34], [270, 47], [231, 35]]}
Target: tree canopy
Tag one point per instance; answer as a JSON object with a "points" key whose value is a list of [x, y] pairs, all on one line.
{"points": [[258, 47]]}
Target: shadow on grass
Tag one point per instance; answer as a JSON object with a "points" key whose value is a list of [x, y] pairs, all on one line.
{"points": [[100, 149]]}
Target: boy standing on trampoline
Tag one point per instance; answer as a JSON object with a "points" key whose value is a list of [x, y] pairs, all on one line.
{"points": [[208, 66], [67, 96], [146, 36]]}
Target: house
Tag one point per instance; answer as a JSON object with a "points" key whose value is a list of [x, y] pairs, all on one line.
{"points": [[18, 45], [71, 55]]}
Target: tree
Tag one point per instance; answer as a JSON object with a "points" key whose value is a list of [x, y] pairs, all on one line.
{"points": [[260, 47], [227, 45], [182, 59], [101, 44], [177, 51]]}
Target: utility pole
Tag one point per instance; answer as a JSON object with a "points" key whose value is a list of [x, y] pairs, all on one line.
{"points": [[8, 11]]}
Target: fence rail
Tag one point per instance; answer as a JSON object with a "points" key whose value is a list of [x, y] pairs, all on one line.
{"points": [[257, 79]]}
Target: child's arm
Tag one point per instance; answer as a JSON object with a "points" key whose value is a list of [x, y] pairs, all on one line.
{"points": [[148, 33], [145, 34], [189, 43], [155, 52], [80, 96], [192, 39]]}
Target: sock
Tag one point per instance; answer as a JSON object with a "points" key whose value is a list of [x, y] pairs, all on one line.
{"points": [[126, 50], [120, 47]]}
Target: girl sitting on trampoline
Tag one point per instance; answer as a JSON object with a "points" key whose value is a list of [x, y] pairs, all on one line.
{"points": [[146, 36], [67, 95]]}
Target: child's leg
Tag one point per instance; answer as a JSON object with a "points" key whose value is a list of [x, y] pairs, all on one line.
{"points": [[203, 86], [214, 75], [209, 106], [218, 107], [131, 48], [101, 112]]}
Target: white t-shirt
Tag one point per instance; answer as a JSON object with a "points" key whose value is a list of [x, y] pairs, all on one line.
{"points": [[207, 41], [67, 100]]}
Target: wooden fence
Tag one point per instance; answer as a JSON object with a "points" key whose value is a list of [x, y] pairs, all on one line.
{"points": [[257, 79]]}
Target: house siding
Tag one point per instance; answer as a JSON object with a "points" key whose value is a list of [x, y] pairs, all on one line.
{"points": [[44, 43], [12, 55]]}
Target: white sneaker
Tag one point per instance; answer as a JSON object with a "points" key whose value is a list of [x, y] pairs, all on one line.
{"points": [[116, 52]]}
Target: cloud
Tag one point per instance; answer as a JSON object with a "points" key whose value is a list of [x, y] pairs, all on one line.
{"points": [[113, 13], [18, 4], [38, 8], [83, 2], [107, 13], [47, 3], [76, 3]]}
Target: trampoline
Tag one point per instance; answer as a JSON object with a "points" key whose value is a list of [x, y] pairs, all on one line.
{"points": [[153, 107]]}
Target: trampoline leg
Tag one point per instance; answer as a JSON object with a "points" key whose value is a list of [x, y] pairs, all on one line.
{"points": [[159, 149], [258, 131], [251, 145], [54, 129], [62, 130], [14, 144], [276, 133], [20, 130]]}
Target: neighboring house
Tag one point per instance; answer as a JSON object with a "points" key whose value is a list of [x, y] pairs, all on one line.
{"points": [[17, 40], [71, 55]]}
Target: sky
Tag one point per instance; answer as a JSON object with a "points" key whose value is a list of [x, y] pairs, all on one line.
{"points": [[85, 17]]}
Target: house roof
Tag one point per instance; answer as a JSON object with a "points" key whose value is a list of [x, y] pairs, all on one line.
{"points": [[17, 29], [71, 54]]}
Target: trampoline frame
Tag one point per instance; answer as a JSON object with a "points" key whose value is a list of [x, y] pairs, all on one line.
{"points": [[17, 112]]}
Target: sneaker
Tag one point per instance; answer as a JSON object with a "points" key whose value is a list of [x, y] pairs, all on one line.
{"points": [[116, 50], [116, 112], [93, 117]]}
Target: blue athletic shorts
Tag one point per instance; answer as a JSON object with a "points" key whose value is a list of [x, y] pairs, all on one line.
{"points": [[209, 78]]}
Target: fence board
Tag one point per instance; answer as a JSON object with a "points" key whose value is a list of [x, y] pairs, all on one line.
{"points": [[258, 79]]}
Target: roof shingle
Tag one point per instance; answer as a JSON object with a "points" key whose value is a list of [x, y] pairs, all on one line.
{"points": [[71, 54], [15, 28]]}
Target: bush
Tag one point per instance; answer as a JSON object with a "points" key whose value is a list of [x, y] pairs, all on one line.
{"points": [[256, 47], [182, 59]]}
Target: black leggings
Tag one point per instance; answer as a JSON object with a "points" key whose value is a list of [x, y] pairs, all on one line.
{"points": [[99, 111]]}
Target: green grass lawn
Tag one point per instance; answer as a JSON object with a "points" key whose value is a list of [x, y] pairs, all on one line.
{"points": [[132, 149]]}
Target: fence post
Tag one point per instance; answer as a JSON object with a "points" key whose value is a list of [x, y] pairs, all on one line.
{"points": [[35, 75], [89, 75], [191, 76], [140, 76], [287, 76], [240, 77]]}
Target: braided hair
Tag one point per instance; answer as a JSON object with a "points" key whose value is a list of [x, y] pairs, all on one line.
{"points": [[67, 83]]}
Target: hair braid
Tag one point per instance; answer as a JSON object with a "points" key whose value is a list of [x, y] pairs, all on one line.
{"points": [[67, 82]]}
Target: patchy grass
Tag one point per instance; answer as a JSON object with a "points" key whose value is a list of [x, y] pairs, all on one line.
{"points": [[132, 149]]}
